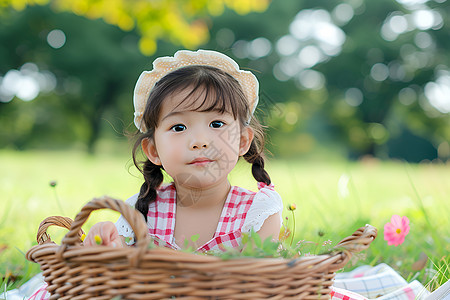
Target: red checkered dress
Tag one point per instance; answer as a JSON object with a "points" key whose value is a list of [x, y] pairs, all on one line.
{"points": [[161, 216]]}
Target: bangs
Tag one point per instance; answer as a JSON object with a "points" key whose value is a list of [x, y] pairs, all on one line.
{"points": [[206, 98], [207, 88]]}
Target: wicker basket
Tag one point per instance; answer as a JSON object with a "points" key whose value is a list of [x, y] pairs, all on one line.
{"points": [[73, 271]]}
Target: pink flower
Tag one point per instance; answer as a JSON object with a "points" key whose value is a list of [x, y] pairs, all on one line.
{"points": [[396, 230]]}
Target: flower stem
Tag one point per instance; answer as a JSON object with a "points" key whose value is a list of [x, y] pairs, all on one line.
{"points": [[293, 229], [57, 201]]}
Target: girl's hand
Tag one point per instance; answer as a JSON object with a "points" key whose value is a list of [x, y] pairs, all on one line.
{"points": [[104, 233]]}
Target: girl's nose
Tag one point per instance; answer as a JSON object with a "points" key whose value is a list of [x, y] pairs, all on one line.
{"points": [[198, 141], [197, 145]]}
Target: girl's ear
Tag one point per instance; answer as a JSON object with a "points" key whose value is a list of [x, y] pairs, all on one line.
{"points": [[149, 148], [246, 140]]}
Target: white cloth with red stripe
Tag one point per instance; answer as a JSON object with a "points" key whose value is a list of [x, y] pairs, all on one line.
{"points": [[379, 282]]}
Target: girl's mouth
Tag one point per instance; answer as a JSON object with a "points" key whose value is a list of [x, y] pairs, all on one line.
{"points": [[201, 161]]}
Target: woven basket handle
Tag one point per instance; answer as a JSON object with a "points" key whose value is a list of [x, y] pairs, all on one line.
{"points": [[360, 240], [43, 237], [134, 218]]}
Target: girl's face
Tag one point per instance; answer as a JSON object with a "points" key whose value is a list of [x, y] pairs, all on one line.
{"points": [[197, 149]]}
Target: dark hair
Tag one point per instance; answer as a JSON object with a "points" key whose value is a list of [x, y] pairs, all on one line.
{"points": [[222, 93]]}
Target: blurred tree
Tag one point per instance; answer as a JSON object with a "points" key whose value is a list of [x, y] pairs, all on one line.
{"points": [[179, 22], [95, 65], [357, 73], [377, 84], [369, 77]]}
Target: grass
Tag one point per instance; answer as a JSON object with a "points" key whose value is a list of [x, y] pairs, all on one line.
{"points": [[333, 199]]}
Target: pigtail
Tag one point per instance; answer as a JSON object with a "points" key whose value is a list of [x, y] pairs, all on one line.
{"points": [[254, 157], [153, 177]]}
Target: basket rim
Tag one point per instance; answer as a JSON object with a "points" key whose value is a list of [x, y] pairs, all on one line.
{"points": [[71, 249], [78, 254]]}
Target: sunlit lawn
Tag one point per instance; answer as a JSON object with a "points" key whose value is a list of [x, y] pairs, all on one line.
{"points": [[333, 199]]}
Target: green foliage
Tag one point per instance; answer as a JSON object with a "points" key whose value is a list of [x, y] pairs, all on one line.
{"points": [[190, 248], [442, 274], [195, 237], [252, 246]]}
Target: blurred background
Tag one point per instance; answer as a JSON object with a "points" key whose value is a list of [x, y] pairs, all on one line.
{"points": [[347, 78], [350, 90]]}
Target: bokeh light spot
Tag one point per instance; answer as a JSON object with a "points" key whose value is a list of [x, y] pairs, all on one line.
{"points": [[379, 72], [354, 97], [225, 37], [240, 49], [260, 47], [438, 92], [56, 38], [343, 13], [310, 56], [26, 83], [287, 45], [313, 39], [378, 132], [28, 88], [311, 79], [423, 19], [423, 40], [291, 117], [398, 24], [407, 96]]}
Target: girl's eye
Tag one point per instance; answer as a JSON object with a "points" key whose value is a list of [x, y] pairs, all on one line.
{"points": [[216, 124], [178, 128]]}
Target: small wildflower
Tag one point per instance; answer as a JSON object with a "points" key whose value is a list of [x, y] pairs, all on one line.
{"points": [[292, 207], [98, 239], [300, 242], [284, 234], [327, 242], [83, 236], [396, 230], [52, 184]]}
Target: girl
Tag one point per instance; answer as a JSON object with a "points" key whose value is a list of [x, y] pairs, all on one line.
{"points": [[195, 114]]}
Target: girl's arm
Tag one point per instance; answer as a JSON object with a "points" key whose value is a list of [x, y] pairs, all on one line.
{"points": [[271, 227], [109, 236]]}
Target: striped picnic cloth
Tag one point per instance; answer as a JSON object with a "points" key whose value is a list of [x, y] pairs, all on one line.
{"points": [[380, 282]]}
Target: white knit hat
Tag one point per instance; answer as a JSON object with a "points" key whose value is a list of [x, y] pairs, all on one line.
{"points": [[164, 65]]}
